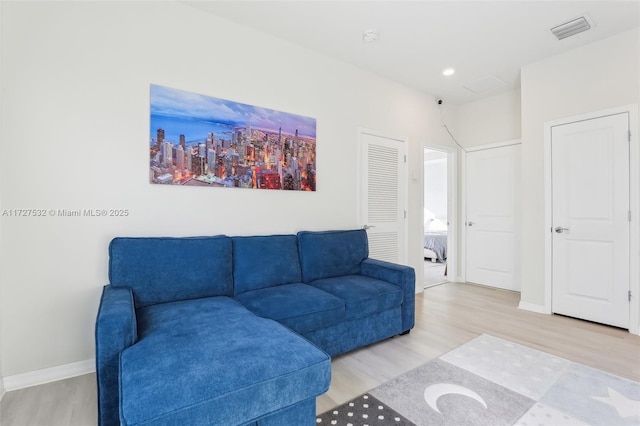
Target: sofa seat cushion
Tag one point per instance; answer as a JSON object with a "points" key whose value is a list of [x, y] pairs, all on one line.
{"points": [[300, 307], [363, 296], [211, 361]]}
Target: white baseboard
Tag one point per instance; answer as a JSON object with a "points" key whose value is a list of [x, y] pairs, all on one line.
{"points": [[2, 392], [48, 375], [541, 309]]}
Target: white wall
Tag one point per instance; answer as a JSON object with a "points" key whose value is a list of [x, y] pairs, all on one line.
{"points": [[435, 182], [489, 120], [75, 128], [601, 75]]}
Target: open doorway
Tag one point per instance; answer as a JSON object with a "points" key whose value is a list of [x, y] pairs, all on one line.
{"points": [[436, 216]]}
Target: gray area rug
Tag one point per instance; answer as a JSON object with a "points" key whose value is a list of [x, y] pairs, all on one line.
{"points": [[492, 381]]}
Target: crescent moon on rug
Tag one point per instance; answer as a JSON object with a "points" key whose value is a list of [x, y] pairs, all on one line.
{"points": [[434, 392]]}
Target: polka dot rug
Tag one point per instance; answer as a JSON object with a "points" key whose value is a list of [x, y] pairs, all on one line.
{"points": [[365, 410]]}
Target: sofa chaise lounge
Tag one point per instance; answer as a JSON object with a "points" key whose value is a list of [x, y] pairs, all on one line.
{"points": [[238, 330]]}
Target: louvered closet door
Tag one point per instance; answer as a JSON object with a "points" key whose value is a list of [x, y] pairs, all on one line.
{"points": [[383, 197]]}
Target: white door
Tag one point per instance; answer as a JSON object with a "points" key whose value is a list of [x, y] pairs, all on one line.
{"points": [[492, 227], [590, 217], [383, 196]]}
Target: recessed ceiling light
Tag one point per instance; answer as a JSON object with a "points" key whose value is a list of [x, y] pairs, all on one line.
{"points": [[448, 71], [369, 36]]}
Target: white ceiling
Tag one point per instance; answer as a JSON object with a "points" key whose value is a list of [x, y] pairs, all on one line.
{"points": [[418, 39]]}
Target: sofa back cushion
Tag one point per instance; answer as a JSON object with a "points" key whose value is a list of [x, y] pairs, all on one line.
{"points": [[163, 270], [265, 261], [329, 254]]}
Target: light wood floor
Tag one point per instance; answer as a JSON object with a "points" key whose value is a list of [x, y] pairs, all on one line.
{"points": [[446, 317], [433, 273], [451, 314]]}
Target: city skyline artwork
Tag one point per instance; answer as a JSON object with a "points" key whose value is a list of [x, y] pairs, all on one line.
{"points": [[199, 140]]}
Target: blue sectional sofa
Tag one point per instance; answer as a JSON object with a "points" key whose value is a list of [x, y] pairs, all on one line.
{"points": [[238, 330]]}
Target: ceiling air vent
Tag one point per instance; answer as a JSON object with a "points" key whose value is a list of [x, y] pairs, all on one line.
{"points": [[484, 84], [573, 27]]}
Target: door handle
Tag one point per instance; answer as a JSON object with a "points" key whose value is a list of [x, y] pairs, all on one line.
{"points": [[560, 229], [469, 223], [365, 227]]}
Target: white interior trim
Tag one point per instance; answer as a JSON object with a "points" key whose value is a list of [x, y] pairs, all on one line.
{"points": [[634, 206], [493, 145], [463, 217], [453, 213], [532, 307], [48, 375], [2, 390]]}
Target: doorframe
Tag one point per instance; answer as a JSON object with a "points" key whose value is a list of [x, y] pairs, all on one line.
{"points": [[463, 200], [634, 206], [453, 213], [404, 178]]}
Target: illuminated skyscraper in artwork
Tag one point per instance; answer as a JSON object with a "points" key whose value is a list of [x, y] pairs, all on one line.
{"points": [[197, 164], [311, 177], [248, 133], [228, 165], [180, 157], [297, 180], [211, 160], [211, 140], [159, 138], [189, 159], [167, 159], [279, 170], [242, 153]]}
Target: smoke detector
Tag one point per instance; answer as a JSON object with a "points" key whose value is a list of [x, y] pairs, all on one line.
{"points": [[572, 27], [369, 36]]}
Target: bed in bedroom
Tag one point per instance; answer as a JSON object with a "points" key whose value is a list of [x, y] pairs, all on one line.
{"points": [[435, 245], [435, 237]]}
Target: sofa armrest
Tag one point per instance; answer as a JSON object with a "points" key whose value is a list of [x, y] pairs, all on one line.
{"points": [[400, 275], [116, 329]]}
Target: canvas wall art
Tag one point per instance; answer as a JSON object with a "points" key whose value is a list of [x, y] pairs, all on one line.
{"points": [[198, 140]]}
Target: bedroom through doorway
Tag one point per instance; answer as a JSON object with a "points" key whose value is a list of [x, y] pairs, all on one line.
{"points": [[436, 220]]}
